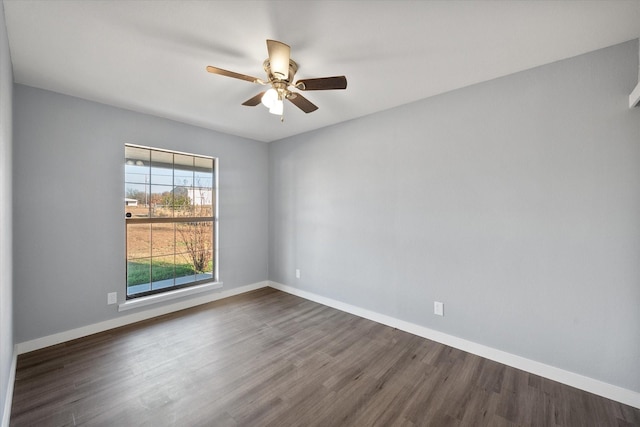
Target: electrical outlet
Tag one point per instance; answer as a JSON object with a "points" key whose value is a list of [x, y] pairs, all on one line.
{"points": [[297, 273], [438, 308], [112, 298]]}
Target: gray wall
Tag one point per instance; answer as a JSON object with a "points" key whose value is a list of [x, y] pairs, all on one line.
{"points": [[69, 214], [6, 258], [516, 202]]}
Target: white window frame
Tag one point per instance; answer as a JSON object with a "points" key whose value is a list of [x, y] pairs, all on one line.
{"points": [[195, 286]]}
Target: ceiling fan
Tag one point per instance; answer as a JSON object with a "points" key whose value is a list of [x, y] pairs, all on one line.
{"points": [[281, 69]]}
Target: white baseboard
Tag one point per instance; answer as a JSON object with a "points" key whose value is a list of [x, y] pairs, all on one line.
{"points": [[619, 394], [38, 343], [6, 413]]}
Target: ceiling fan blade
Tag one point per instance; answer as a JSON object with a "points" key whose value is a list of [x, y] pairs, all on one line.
{"points": [[216, 70], [254, 101], [324, 83], [279, 55], [302, 103]]}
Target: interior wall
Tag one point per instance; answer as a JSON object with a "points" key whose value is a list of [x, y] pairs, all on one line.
{"points": [[6, 259], [515, 202], [69, 213], [6, 254]]}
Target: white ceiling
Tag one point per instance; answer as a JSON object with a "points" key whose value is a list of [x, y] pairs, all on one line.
{"points": [[150, 56]]}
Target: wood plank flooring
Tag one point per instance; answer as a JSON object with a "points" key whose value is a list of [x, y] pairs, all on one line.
{"points": [[267, 358]]}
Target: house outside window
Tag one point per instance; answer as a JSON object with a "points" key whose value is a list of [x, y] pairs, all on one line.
{"points": [[170, 216]]}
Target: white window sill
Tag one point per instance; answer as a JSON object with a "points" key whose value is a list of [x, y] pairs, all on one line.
{"points": [[167, 296]]}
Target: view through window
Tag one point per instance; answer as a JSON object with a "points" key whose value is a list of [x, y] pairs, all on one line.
{"points": [[170, 207]]}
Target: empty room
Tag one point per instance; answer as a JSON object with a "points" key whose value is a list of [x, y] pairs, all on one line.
{"points": [[319, 213]]}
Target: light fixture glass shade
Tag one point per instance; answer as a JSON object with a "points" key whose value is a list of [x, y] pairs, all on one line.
{"points": [[277, 107], [269, 98]]}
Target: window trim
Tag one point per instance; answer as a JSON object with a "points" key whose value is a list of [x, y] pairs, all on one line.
{"points": [[137, 302], [197, 286]]}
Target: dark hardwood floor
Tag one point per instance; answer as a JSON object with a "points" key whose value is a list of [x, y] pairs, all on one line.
{"points": [[267, 358]]}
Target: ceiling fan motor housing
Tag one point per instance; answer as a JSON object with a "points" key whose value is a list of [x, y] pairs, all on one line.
{"points": [[293, 68]]}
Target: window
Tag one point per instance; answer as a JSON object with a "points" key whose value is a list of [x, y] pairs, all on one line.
{"points": [[170, 217]]}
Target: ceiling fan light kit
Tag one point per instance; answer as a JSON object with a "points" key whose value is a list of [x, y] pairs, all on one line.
{"points": [[281, 69], [273, 101]]}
